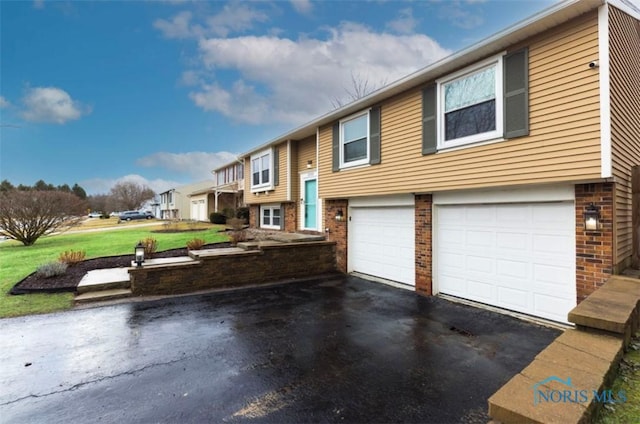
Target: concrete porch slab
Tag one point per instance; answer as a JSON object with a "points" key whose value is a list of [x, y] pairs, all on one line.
{"points": [[295, 237], [165, 261], [102, 279], [215, 252]]}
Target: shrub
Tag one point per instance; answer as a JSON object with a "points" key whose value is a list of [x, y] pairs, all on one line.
{"points": [[72, 257], [150, 246], [237, 236], [243, 213], [217, 218], [235, 223], [229, 212], [195, 244], [51, 269]]}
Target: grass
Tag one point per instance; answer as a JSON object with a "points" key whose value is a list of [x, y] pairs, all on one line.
{"points": [[18, 261], [628, 380]]}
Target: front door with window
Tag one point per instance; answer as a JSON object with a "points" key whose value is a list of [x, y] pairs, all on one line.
{"points": [[308, 201], [310, 214]]}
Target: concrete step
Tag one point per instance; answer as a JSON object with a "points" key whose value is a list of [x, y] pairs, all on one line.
{"points": [[102, 295], [612, 308], [104, 279]]}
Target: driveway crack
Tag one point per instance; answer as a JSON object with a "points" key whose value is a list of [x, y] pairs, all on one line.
{"points": [[98, 380]]}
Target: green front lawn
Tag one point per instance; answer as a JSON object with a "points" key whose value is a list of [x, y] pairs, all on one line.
{"points": [[18, 261]]}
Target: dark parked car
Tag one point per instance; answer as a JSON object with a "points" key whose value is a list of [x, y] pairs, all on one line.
{"points": [[131, 215]]}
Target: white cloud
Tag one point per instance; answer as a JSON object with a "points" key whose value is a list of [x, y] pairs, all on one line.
{"points": [[302, 6], [51, 104], [4, 102], [197, 165], [292, 81], [103, 185], [179, 26], [405, 23], [461, 15], [234, 17]]}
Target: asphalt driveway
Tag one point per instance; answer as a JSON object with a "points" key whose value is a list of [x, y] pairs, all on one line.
{"points": [[343, 350]]}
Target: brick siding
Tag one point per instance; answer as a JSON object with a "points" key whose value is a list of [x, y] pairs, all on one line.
{"points": [[594, 249], [423, 243], [337, 229], [290, 213]]}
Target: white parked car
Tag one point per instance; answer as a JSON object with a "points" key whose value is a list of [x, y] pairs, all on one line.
{"points": [[97, 214]]}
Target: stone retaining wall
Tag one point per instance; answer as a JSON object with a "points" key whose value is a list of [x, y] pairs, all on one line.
{"points": [[268, 264]]}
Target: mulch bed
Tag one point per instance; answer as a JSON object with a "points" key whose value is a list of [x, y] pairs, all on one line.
{"points": [[70, 280]]}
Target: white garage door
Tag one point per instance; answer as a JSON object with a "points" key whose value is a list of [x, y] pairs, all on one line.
{"points": [[514, 256], [381, 242]]}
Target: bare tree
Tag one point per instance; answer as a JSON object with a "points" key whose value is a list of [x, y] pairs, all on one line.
{"points": [[129, 195], [360, 87], [28, 215]]}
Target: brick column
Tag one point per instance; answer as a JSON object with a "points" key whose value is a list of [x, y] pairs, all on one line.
{"points": [[423, 231], [594, 249], [254, 212], [290, 211], [337, 229]]}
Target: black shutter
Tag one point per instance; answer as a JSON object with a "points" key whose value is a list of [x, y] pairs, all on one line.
{"points": [[276, 166], [516, 94], [335, 147], [429, 129], [374, 135]]}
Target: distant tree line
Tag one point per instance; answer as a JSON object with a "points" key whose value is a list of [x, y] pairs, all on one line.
{"points": [[41, 185], [30, 212]]}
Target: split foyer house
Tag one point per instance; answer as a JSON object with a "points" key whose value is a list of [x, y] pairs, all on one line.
{"points": [[229, 185], [473, 176], [190, 201]]}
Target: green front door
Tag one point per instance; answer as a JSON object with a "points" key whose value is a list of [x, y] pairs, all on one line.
{"points": [[310, 194]]}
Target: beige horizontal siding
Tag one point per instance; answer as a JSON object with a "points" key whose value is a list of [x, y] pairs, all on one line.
{"points": [[279, 193], [625, 121], [563, 145], [306, 152]]}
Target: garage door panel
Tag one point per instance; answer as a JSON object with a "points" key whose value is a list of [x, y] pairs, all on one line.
{"points": [[481, 290], [513, 269], [512, 298], [480, 264], [513, 241], [382, 242], [524, 251], [480, 238]]}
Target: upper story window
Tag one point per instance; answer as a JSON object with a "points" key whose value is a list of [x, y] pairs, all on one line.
{"points": [[261, 170], [470, 105], [487, 101], [354, 140]]}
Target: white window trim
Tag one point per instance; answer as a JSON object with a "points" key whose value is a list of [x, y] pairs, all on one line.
{"points": [[271, 208], [476, 138], [263, 186], [360, 162]]}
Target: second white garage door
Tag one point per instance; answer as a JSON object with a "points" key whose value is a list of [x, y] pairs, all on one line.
{"points": [[382, 242], [514, 256]]}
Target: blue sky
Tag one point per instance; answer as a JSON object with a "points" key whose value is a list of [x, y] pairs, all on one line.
{"points": [[161, 92]]}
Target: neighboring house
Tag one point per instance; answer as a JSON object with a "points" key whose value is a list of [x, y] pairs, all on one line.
{"points": [[472, 177], [177, 203], [227, 192]]}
